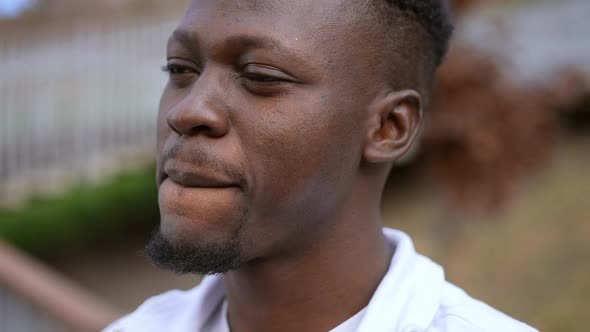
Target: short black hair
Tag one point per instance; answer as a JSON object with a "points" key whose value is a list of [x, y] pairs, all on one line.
{"points": [[434, 17]]}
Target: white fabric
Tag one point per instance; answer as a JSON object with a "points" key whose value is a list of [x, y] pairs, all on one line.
{"points": [[412, 297], [218, 321]]}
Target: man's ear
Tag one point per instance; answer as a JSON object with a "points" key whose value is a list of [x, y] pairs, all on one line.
{"points": [[394, 123]]}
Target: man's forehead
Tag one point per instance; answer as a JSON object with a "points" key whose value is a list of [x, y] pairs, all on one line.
{"points": [[302, 9], [235, 5], [314, 21]]}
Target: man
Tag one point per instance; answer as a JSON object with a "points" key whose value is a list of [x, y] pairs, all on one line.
{"points": [[277, 130]]}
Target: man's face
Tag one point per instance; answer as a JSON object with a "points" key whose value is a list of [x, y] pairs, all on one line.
{"points": [[261, 126]]}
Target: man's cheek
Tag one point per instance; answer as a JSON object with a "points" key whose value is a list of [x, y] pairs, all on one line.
{"points": [[290, 170]]}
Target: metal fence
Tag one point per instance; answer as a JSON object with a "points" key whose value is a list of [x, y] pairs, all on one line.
{"points": [[78, 103]]}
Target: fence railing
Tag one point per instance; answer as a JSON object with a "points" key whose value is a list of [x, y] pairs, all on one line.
{"points": [[79, 103], [33, 297]]}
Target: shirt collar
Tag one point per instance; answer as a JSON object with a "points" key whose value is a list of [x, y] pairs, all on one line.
{"points": [[409, 295], [407, 298]]}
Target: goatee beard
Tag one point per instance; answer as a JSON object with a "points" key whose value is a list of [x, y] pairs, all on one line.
{"points": [[196, 258]]}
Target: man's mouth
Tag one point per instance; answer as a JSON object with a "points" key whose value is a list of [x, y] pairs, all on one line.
{"points": [[196, 178]]}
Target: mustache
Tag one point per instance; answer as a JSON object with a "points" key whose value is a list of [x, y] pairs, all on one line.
{"points": [[200, 158]]}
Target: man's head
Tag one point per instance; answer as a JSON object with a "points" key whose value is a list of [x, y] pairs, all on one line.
{"points": [[281, 116]]}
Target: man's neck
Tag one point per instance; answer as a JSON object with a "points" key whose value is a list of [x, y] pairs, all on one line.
{"points": [[314, 291]]}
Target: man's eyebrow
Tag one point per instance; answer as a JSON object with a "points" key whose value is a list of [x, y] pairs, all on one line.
{"points": [[248, 42], [243, 42]]}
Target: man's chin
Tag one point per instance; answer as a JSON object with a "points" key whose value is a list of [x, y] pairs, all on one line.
{"points": [[195, 257]]}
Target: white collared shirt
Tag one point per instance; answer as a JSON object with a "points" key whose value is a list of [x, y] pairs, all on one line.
{"points": [[412, 297], [218, 321]]}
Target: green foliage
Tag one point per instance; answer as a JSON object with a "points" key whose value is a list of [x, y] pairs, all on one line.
{"points": [[88, 215]]}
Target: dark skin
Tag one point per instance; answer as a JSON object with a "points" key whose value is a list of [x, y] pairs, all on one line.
{"points": [[273, 128]]}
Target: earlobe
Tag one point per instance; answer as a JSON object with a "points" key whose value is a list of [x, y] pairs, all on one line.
{"points": [[395, 122]]}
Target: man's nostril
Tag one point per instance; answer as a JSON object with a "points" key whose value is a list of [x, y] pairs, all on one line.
{"points": [[202, 129]]}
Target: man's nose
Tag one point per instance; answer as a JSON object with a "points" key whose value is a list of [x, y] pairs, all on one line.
{"points": [[200, 112]]}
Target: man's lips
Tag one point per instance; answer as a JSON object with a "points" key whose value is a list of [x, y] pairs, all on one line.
{"points": [[196, 178]]}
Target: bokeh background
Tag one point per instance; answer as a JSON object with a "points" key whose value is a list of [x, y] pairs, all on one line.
{"points": [[497, 191]]}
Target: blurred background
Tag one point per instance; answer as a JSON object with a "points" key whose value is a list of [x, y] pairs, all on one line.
{"points": [[497, 191]]}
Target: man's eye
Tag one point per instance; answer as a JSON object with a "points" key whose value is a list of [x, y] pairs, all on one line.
{"points": [[177, 70], [260, 78]]}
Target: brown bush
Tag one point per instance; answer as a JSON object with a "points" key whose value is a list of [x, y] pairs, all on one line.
{"points": [[484, 134]]}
